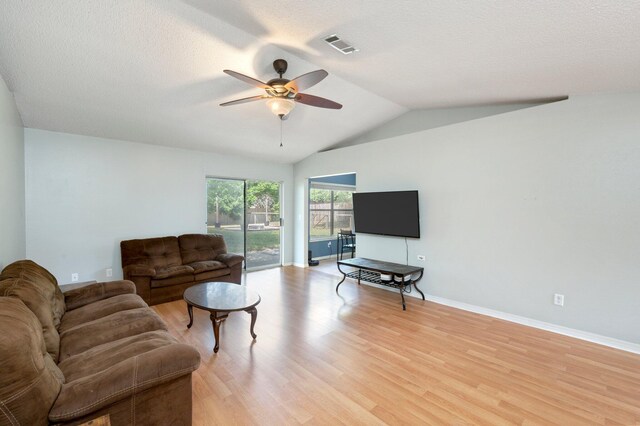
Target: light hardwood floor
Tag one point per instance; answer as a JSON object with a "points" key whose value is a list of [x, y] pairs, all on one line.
{"points": [[357, 358]]}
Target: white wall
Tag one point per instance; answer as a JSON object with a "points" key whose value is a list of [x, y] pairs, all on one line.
{"points": [[86, 194], [12, 215], [514, 208]]}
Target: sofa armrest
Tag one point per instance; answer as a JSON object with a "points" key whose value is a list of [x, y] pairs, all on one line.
{"points": [[130, 377], [93, 292], [229, 259], [138, 271]]}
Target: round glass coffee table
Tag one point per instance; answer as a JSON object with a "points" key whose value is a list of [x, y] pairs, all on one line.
{"points": [[221, 299]]}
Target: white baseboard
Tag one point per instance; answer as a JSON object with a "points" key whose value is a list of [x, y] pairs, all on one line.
{"points": [[571, 332], [331, 256], [566, 331], [304, 265]]}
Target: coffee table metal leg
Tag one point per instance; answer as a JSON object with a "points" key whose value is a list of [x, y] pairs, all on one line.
{"points": [[190, 309], [404, 306], [344, 277], [254, 315], [415, 283], [419, 291], [215, 320]]}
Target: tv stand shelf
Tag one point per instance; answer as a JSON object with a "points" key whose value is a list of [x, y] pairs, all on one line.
{"points": [[374, 277], [369, 270]]}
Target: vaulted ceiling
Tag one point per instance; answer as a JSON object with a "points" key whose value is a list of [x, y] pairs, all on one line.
{"points": [[152, 71]]}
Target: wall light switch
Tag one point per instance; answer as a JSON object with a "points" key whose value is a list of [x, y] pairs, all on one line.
{"points": [[109, 272]]}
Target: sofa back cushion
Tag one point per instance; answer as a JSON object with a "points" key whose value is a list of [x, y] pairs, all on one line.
{"points": [[30, 271], [30, 380], [201, 247], [37, 298], [153, 252]]}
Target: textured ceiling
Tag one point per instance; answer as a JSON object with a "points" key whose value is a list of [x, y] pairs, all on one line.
{"points": [[152, 71], [426, 53]]}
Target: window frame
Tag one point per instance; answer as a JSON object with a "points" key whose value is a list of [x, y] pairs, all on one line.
{"points": [[332, 187]]}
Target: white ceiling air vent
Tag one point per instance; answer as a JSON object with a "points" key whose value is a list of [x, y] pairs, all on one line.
{"points": [[339, 44]]}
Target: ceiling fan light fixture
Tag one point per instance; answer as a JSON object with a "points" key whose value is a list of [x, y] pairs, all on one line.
{"points": [[281, 106]]}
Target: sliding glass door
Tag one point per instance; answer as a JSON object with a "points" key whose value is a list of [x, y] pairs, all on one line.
{"points": [[263, 224], [247, 214], [225, 212]]}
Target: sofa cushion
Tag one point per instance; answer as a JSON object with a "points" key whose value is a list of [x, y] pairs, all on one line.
{"points": [[172, 281], [207, 265], [199, 247], [100, 309], [31, 271], [105, 356], [95, 292], [108, 329], [37, 298], [208, 275], [139, 271], [124, 385], [30, 380], [173, 271], [230, 259], [153, 252]]}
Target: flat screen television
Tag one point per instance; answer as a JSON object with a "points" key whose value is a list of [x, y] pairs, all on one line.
{"points": [[393, 213]]}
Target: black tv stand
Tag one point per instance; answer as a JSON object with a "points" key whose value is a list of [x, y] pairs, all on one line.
{"points": [[369, 270]]}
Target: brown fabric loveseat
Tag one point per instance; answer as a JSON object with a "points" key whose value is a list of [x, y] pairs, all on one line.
{"points": [[66, 358], [162, 268]]}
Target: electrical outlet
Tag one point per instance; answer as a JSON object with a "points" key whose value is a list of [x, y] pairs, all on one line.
{"points": [[421, 257], [109, 272], [75, 277], [558, 299]]}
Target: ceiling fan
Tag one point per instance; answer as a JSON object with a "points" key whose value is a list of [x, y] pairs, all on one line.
{"points": [[282, 94]]}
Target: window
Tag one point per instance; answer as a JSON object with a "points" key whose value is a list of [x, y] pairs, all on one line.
{"points": [[330, 209]]}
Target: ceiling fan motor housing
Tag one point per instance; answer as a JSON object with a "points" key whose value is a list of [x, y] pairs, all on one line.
{"points": [[277, 84], [277, 88]]}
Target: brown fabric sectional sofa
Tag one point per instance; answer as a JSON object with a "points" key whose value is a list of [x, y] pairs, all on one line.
{"points": [[66, 358], [162, 268]]}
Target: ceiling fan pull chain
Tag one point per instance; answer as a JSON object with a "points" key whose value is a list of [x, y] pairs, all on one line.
{"points": [[281, 130]]}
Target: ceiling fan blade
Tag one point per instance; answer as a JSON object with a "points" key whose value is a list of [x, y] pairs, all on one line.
{"points": [[316, 101], [244, 100], [307, 80], [249, 80]]}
